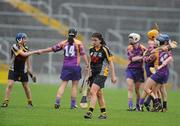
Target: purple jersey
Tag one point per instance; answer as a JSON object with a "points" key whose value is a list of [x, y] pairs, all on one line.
{"points": [[161, 76], [133, 52], [163, 55], [72, 52]]}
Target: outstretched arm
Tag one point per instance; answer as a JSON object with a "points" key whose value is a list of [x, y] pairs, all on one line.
{"points": [[47, 50], [26, 54]]}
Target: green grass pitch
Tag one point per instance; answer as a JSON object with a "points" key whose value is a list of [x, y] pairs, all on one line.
{"points": [[43, 113]]}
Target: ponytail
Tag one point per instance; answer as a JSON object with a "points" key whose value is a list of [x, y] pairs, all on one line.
{"points": [[70, 40]]}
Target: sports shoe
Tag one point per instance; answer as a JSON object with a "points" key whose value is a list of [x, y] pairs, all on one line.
{"points": [[88, 115], [131, 109], [157, 107], [74, 107], [56, 106], [141, 108], [5, 104], [164, 110], [103, 116], [30, 105], [147, 107], [138, 107]]}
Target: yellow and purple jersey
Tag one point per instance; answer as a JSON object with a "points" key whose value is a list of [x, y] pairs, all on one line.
{"points": [[133, 52], [72, 52]]}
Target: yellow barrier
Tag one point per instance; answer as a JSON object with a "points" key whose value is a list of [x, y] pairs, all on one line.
{"points": [[3, 73]]}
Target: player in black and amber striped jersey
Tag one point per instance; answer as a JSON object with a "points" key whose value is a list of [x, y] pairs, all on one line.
{"points": [[19, 68], [101, 60]]}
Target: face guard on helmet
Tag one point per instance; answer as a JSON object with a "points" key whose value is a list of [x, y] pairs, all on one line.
{"points": [[134, 38]]}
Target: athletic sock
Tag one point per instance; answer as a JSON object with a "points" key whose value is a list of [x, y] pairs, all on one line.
{"points": [[130, 103], [103, 110], [29, 101], [148, 100], [141, 101], [58, 100], [73, 101], [165, 104], [91, 109], [84, 99]]}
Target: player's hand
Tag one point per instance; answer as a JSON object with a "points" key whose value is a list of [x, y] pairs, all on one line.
{"points": [[113, 79], [153, 70], [34, 79], [173, 44]]}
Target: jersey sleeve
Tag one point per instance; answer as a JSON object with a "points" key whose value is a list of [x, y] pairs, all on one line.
{"points": [[57, 47], [81, 50], [129, 52], [108, 53], [15, 49]]}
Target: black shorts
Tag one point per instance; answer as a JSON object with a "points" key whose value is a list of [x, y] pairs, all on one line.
{"points": [[18, 76], [98, 80]]}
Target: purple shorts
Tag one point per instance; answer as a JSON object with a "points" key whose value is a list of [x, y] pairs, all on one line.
{"points": [[160, 77], [71, 73], [147, 68], [135, 74]]}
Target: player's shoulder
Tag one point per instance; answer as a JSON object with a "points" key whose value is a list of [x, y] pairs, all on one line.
{"points": [[129, 47], [91, 48], [78, 42], [142, 46], [15, 47], [106, 48]]}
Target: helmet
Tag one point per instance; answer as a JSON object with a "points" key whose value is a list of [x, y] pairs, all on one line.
{"points": [[162, 38], [152, 34], [134, 37], [20, 36], [72, 32]]}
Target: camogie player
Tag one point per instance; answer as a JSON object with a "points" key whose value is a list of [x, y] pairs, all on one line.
{"points": [[101, 60], [71, 69], [161, 73], [149, 60], [19, 68], [134, 71]]}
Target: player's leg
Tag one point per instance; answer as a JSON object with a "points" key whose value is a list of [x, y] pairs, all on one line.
{"points": [[102, 105], [137, 90], [59, 94], [164, 97], [74, 94], [28, 93], [130, 84], [93, 94], [147, 91], [7, 93]]}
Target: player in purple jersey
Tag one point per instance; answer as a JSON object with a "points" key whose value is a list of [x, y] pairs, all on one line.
{"points": [[134, 71], [149, 60], [19, 68], [71, 69], [160, 76]]}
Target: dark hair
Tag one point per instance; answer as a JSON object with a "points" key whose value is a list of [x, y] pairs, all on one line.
{"points": [[72, 33], [70, 40], [100, 37]]}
